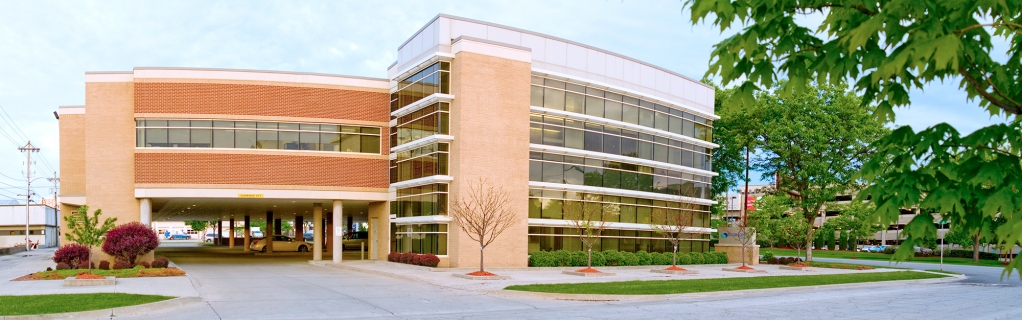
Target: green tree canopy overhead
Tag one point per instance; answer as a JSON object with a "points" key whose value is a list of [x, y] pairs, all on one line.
{"points": [[888, 48]]}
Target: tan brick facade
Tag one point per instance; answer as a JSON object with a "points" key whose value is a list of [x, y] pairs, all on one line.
{"points": [[260, 100], [490, 125], [250, 169]]}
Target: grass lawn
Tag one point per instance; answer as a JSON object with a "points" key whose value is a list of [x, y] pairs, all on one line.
{"points": [[719, 284], [60, 303], [880, 256], [122, 273]]}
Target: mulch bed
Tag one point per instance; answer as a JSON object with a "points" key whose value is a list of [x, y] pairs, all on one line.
{"points": [[481, 274], [674, 268], [588, 270], [89, 276]]}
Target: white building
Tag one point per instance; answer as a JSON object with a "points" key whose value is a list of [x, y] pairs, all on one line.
{"points": [[44, 225]]}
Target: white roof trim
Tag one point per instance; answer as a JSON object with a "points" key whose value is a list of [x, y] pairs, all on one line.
{"points": [[412, 68], [127, 76], [622, 124], [618, 158], [614, 226], [618, 192], [266, 194], [421, 181], [422, 103], [645, 96], [491, 48], [421, 220], [257, 75], [436, 138], [70, 110]]}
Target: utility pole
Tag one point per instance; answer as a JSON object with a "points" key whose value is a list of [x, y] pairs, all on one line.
{"points": [[28, 149], [56, 205]]}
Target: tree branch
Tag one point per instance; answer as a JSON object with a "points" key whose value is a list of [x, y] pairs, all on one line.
{"points": [[976, 84]]}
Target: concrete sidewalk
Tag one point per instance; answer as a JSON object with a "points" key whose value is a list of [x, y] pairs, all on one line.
{"points": [[444, 278]]}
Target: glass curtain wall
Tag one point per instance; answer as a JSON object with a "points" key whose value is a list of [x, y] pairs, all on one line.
{"points": [[432, 79], [421, 238], [434, 119], [429, 160], [555, 168], [578, 98], [165, 133]]}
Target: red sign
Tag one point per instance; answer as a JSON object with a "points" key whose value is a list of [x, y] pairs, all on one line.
{"points": [[750, 203]]}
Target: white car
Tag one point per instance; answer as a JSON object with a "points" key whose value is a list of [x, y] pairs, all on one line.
{"points": [[281, 244]]}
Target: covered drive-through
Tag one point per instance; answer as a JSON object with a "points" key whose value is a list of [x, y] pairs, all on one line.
{"points": [[361, 221]]}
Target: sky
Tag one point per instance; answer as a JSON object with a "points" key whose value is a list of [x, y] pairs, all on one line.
{"points": [[47, 46]]}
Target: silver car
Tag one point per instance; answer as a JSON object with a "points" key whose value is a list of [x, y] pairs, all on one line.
{"points": [[281, 244]]}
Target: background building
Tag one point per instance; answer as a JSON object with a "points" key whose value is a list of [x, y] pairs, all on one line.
{"points": [[545, 118], [43, 226]]}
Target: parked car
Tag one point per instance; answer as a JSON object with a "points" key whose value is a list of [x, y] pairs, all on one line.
{"points": [[210, 237], [873, 248], [179, 236], [354, 240], [308, 236], [257, 234], [281, 243]]}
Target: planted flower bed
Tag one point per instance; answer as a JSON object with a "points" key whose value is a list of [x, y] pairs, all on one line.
{"points": [[561, 258]]}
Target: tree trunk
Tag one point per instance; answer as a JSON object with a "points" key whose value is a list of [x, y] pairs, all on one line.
{"points": [[809, 242], [674, 262], [589, 254], [481, 247], [975, 248]]}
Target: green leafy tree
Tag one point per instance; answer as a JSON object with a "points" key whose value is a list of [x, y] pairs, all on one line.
{"points": [[888, 48], [87, 230], [815, 142], [766, 218], [857, 220], [792, 230], [200, 226], [731, 134]]}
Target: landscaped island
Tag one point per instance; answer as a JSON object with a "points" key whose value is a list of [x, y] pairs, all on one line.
{"points": [[61, 303]]}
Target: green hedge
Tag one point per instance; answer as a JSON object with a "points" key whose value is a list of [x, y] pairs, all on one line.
{"points": [[561, 258]]}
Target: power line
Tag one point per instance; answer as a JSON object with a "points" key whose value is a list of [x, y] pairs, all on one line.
{"points": [[15, 179], [13, 124], [4, 133], [47, 163]]}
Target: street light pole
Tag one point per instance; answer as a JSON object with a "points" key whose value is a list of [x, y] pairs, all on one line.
{"points": [[28, 149]]}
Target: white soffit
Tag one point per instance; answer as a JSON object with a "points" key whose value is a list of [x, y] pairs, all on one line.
{"points": [[126, 76], [257, 75], [491, 48]]}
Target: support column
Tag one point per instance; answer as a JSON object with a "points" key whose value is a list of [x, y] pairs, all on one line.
{"points": [[338, 215], [219, 232], [145, 212], [299, 228], [317, 231], [230, 242], [248, 233], [268, 232], [276, 227]]}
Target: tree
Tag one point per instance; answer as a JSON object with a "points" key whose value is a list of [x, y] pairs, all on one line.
{"points": [[792, 230], [675, 226], [199, 226], [857, 220], [589, 217], [129, 241], [815, 143], [766, 218], [887, 49], [483, 215], [86, 230]]}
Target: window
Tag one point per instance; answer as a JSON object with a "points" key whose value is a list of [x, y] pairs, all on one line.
{"points": [[432, 79], [421, 238], [420, 162], [152, 133], [551, 168]]}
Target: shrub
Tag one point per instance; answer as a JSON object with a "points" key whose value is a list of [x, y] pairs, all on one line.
{"points": [[890, 249], [697, 258], [684, 258], [142, 264], [429, 260], [767, 256], [663, 259], [924, 252], [121, 264], [629, 259], [393, 256], [71, 255], [49, 269], [129, 241], [562, 258], [613, 257], [645, 258], [772, 260], [721, 257], [968, 254], [161, 263], [709, 258], [408, 257], [63, 266], [577, 259], [85, 265], [105, 265]]}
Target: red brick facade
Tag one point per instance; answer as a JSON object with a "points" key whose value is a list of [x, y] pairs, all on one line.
{"points": [[213, 168], [261, 100]]}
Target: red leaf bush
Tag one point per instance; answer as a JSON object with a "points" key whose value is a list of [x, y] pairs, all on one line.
{"points": [[160, 263], [85, 265], [129, 241], [428, 260], [71, 255], [143, 264], [63, 266], [105, 265], [121, 264]]}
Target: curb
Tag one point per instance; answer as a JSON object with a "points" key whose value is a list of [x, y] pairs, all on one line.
{"points": [[657, 297], [135, 310]]}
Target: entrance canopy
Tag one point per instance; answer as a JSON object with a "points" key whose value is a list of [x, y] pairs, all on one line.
{"points": [[183, 209]]}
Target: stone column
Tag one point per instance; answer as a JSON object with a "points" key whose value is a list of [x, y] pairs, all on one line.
{"points": [[277, 227], [219, 232], [145, 212], [248, 233], [299, 228], [338, 215], [268, 233], [230, 242], [317, 231]]}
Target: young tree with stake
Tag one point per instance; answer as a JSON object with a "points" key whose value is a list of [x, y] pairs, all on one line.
{"points": [[589, 217], [675, 226], [87, 230], [483, 214]]}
